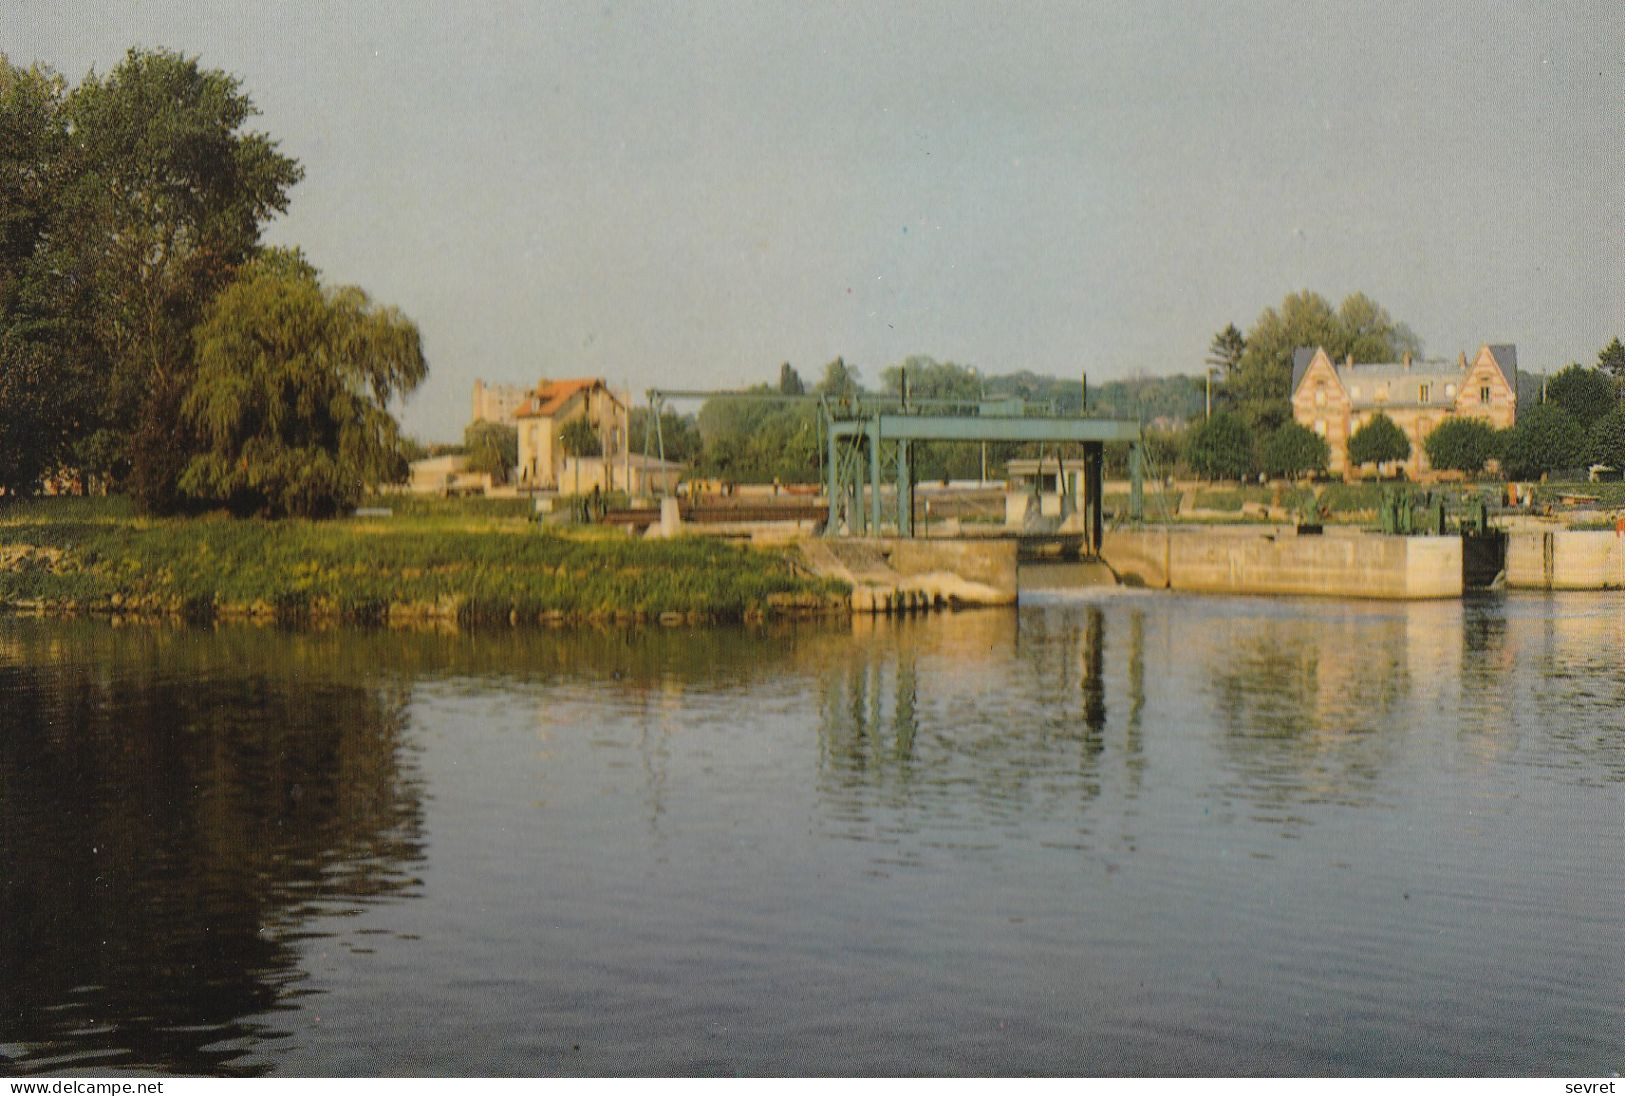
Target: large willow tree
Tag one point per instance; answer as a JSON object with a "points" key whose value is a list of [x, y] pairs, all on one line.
{"points": [[290, 400]]}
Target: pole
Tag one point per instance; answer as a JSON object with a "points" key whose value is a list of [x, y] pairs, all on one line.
{"points": [[905, 491], [832, 524], [874, 476]]}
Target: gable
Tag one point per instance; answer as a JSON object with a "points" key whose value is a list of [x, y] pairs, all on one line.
{"points": [[1319, 373]]}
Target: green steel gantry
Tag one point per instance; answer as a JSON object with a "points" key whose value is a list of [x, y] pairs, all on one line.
{"points": [[855, 430]]}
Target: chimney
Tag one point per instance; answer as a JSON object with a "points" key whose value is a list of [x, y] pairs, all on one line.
{"points": [[1348, 362], [1407, 359]]}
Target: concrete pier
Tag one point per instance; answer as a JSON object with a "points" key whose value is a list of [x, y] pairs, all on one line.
{"points": [[1281, 562], [1563, 559], [903, 574]]}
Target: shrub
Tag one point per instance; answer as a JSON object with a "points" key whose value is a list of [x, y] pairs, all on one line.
{"points": [[1220, 448], [1545, 440], [1293, 450], [1379, 441], [1607, 438], [1461, 445]]}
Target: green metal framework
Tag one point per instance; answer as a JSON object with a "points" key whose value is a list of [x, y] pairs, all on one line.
{"points": [[858, 443], [859, 434]]}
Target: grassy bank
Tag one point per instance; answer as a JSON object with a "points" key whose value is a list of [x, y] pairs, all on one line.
{"points": [[472, 564]]}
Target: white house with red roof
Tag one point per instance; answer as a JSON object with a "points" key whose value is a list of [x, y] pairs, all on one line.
{"points": [[545, 411]]}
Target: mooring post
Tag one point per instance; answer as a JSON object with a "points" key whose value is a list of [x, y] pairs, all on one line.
{"points": [[832, 470], [905, 492], [1136, 484], [1094, 488], [874, 476]]}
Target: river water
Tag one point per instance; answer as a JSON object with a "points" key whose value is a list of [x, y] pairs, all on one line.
{"points": [[1139, 833]]}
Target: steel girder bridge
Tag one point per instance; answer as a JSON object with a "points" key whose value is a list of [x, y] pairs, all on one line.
{"points": [[860, 437]]}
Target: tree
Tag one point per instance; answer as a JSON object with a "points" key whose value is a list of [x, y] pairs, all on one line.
{"points": [[679, 437], [1293, 450], [164, 198], [1611, 360], [43, 389], [790, 381], [1546, 439], [1224, 353], [1587, 394], [493, 448], [1607, 439], [1361, 327], [840, 380], [291, 392], [1220, 447], [1461, 445], [1379, 441], [579, 437], [929, 379]]}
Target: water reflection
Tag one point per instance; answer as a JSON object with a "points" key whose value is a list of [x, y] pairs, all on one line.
{"points": [[174, 807], [989, 713], [998, 841]]}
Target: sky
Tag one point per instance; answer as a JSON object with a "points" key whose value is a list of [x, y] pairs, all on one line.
{"points": [[686, 195]]}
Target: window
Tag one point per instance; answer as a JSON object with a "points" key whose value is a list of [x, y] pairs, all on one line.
{"points": [[1450, 391], [1484, 394], [1320, 395], [1320, 427], [1422, 393]]}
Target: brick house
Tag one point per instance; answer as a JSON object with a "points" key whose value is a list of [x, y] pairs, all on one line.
{"points": [[1336, 399]]}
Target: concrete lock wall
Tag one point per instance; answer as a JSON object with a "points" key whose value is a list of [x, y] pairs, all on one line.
{"points": [[1139, 557], [1562, 559], [985, 562], [1364, 565]]}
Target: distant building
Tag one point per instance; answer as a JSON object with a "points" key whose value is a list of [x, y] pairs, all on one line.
{"points": [[447, 475], [1335, 400], [498, 402], [634, 473], [552, 405]]}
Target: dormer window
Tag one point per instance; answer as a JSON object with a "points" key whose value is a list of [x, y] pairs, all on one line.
{"points": [[1484, 394], [1422, 393]]}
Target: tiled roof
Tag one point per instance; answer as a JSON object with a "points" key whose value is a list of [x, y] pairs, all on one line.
{"points": [[551, 396]]}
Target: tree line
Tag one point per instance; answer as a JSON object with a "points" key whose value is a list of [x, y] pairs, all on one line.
{"points": [[1578, 421], [149, 341], [762, 441]]}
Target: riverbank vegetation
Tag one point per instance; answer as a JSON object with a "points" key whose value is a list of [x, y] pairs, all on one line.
{"points": [[456, 563]]}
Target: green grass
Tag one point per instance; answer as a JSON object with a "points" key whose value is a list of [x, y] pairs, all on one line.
{"points": [[477, 564]]}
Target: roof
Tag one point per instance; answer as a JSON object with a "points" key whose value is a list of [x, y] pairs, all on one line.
{"points": [[1435, 372], [1506, 356], [1301, 357], [549, 397]]}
